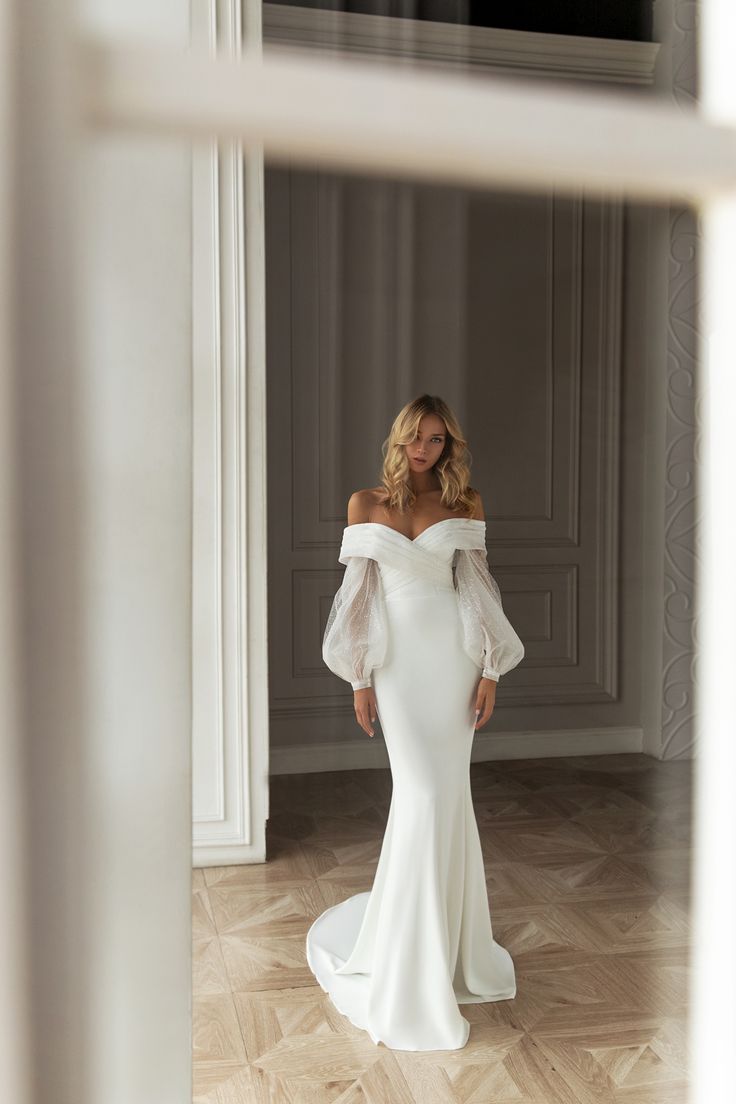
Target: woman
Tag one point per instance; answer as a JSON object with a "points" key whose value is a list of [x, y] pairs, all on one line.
{"points": [[418, 629]]}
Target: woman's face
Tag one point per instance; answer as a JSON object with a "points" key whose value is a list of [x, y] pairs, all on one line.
{"points": [[426, 448]]}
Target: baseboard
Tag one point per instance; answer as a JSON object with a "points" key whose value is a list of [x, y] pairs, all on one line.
{"points": [[369, 754]]}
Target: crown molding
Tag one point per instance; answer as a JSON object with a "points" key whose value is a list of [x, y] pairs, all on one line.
{"points": [[453, 45]]}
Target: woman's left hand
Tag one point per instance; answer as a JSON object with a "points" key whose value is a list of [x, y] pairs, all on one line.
{"points": [[485, 699]]}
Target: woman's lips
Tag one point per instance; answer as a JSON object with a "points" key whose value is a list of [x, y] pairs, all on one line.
{"points": [[418, 461]]}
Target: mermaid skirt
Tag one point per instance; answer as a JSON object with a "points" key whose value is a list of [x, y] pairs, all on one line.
{"points": [[400, 959]]}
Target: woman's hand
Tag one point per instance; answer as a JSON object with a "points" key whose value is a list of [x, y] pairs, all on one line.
{"points": [[365, 708], [485, 699]]}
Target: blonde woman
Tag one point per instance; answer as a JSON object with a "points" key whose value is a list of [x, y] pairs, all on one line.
{"points": [[417, 628]]}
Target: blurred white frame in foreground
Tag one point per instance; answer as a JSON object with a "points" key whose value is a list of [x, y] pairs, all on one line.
{"points": [[489, 132]]}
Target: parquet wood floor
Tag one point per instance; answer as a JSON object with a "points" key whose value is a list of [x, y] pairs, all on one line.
{"points": [[588, 873]]}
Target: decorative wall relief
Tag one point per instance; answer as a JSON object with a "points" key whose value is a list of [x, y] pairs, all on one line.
{"points": [[681, 497]]}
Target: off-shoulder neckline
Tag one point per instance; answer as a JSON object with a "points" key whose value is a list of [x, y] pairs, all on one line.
{"points": [[413, 540]]}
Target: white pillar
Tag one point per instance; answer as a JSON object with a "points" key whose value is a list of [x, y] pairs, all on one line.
{"points": [[713, 987], [95, 575]]}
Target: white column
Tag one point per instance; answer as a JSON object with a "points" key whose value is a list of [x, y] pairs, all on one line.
{"points": [[95, 575], [133, 413], [230, 734], [713, 1006]]}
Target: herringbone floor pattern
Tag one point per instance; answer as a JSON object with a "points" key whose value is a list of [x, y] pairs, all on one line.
{"points": [[588, 872]]}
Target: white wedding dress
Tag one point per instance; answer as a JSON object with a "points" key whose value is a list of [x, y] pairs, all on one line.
{"points": [[420, 620]]}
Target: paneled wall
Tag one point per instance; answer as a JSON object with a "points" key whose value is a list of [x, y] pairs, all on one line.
{"points": [[528, 315]]}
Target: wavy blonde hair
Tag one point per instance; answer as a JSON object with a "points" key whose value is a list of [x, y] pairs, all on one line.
{"points": [[452, 467]]}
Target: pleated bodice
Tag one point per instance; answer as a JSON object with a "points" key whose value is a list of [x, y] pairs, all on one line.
{"points": [[409, 567]]}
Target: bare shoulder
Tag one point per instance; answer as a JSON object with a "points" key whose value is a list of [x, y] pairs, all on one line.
{"points": [[478, 511], [361, 504]]}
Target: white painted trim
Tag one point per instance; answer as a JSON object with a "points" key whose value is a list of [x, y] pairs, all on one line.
{"points": [[229, 328], [713, 976], [207, 601], [712, 991], [453, 45], [368, 754], [373, 117]]}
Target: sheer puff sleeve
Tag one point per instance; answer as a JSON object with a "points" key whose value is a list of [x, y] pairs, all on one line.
{"points": [[488, 636], [356, 632]]}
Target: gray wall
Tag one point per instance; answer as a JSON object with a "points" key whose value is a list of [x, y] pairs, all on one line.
{"points": [[531, 317]]}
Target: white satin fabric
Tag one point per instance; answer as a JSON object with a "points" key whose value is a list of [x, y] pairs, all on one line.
{"points": [[356, 632], [399, 960]]}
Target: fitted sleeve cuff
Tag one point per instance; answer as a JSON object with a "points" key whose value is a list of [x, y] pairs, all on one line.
{"points": [[361, 685], [491, 673]]}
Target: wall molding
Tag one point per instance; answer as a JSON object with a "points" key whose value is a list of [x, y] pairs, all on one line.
{"points": [[229, 663], [370, 754], [684, 326]]}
